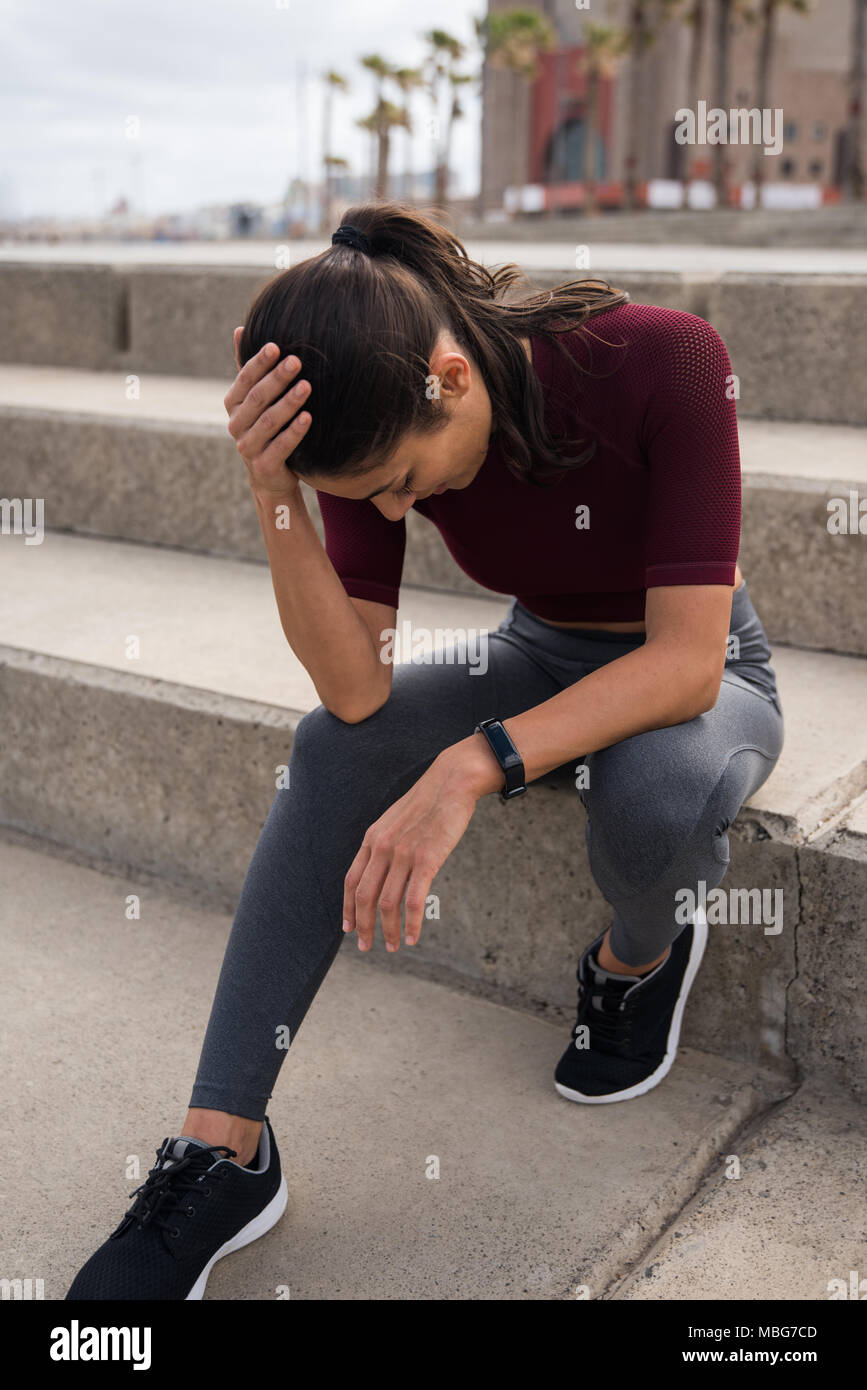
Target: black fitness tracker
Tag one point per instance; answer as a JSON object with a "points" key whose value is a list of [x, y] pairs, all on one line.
{"points": [[506, 755]]}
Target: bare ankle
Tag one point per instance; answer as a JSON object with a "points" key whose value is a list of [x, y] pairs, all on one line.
{"points": [[220, 1127], [609, 961]]}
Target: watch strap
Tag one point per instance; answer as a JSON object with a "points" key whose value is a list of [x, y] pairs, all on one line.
{"points": [[501, 745]]}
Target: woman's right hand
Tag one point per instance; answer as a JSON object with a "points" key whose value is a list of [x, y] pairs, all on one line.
{"points": [[258, 421]]}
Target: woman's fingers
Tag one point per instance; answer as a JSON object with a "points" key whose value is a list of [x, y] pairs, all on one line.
{"points": [[248, 375], [420, 881], [387, 880], [266, 414], [260, 403], [367, 895], [391, 897], [259, 382], [270, 449], [400, 855], [350, 883]]}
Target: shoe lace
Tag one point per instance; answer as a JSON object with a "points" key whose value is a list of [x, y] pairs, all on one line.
{"points": [[611, 1020], [160, 1199]]}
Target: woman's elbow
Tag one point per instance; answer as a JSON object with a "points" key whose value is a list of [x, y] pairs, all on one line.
{"points": [[352, 714], [356, 710]]}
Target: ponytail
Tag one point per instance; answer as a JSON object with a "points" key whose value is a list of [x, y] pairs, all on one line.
{"points": [[364, 315]]}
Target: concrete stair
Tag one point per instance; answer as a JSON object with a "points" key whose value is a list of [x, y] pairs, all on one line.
{"points": [[161, 468], [523, 1205], [532, 1197], [151, 771], [165, 762], [120, 427], [794, 336]]}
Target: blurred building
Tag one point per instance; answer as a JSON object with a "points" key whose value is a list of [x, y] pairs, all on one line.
{"points": [[533, 131]]}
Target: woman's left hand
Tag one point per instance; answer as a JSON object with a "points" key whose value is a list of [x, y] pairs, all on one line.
{"points": [[402, 852]]}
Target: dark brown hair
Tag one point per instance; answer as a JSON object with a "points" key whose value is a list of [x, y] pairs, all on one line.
{"points": [[364, 325]]}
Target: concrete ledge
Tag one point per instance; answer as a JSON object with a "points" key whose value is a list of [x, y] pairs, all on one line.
{"points": [[826, 1001], [178, 784], [172, 769], [81, 600], [799, 348], [163, 469], [70, 315], [786, 1227], [135, 771], [794, 340]]}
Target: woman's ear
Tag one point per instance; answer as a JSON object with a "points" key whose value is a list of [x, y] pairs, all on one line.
{"points": [[454, 373]]}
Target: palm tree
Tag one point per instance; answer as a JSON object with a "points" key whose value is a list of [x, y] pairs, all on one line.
{"points": [[456, 111], [434, 68], [333, 82], [334, 164], [722, 55], [646, 19], [853, 181], [766, 16], [407, 80], [381, 70], [381, 121], [513, 40], [444, 52], [603, 49], [696, 18], [727, 11]]}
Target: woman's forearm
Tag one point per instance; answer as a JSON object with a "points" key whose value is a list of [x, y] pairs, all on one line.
{"points": [[649, 688], [321, 625]]}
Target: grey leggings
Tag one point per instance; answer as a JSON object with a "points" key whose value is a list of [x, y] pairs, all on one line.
{"points": [[658, 806]]}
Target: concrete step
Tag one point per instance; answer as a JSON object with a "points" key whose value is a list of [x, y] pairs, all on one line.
{"points": [[795, 339], [166, 762], [388, 1073], [162, 468], [780, 1216]]}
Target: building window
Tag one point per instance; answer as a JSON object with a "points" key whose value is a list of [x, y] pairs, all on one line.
{"points": [[790, 130], [565, 156], [816, 167], [787, 168], [820, 131]]}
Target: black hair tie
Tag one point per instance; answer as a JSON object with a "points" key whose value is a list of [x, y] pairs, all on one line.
{"points": [[348, 235]]}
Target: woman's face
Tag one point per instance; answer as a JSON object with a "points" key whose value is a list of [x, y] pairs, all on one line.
{"points": [[424, 464]]}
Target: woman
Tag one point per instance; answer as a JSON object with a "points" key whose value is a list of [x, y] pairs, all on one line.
{"points": [[577, 452]]}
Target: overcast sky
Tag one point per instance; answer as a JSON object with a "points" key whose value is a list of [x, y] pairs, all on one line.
{"points": [[214, 85]]}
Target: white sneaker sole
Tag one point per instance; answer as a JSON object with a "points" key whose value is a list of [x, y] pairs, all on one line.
{"points": [[268, 1217], [699, 942]]}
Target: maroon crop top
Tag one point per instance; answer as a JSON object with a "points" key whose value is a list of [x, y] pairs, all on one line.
{"points": [[662, 491]]}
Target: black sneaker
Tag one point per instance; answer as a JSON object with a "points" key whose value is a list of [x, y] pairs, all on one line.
{"points": [[195, 1207], [632, 1025]]}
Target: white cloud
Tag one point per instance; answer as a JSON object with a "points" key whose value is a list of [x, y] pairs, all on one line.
{"points": [[214, 84]]}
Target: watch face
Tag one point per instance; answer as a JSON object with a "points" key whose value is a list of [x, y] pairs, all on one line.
{"points": [[502, 744]]}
